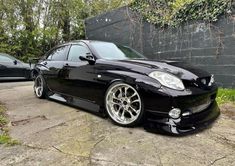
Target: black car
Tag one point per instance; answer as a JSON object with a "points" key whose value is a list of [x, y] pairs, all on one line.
{"points": [[12, 68], [118, 81]]}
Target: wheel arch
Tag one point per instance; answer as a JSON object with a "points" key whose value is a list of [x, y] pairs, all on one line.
{"points": [[35, 72], [120, 82], [142, 83], [123, 76], [137, 80]]}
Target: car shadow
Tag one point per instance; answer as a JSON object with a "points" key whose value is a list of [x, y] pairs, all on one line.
{"points": [[15, 80], [159, 131]]}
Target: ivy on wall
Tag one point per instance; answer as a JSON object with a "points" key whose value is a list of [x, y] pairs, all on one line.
{"points": [[175, 12]]}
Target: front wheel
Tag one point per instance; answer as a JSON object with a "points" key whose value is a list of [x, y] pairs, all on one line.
{"points": [[40, 88], [123, 104]]}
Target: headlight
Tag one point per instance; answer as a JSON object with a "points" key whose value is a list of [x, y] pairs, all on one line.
{"points": [[168, 80]]}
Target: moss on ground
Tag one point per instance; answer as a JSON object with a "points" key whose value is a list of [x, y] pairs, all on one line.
{"points": [[4, 136]]}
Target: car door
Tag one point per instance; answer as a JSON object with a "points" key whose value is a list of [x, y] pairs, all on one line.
{"points": [[52, 65], [19, 70], [10, 67], [77, 77], [4, 63]]}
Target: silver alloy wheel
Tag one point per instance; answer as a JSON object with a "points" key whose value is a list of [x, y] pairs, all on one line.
{"points": [[123, 103], [38, 86]]}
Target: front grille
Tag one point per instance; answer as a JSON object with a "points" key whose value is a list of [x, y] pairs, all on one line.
{"points": [[201, 107], [203, 82]]}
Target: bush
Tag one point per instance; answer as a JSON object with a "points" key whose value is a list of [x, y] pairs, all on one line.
{"points": [[175, 12], [225, 95]]}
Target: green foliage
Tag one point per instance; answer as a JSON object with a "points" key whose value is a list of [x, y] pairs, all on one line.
{"points": [[6, 139], [29, 28], [175, 12], [225, 95], [3, 120], [4, 136], [100, 6]]}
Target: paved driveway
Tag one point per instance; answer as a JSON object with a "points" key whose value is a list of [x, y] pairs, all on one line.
{"points": [[55, 134]]}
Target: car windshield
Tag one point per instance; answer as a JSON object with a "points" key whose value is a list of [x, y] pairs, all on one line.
{"points": [[112, 51], [6, 58]]}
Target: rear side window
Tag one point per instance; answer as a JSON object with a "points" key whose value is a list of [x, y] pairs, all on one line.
{"points": [[58, 54], [76, 51], [5, 59]]}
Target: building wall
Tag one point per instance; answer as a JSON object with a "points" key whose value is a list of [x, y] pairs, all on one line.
{"points": [[205, 45]]}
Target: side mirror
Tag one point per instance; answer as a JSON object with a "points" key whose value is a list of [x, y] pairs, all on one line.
{"points": [[15, 62], [89, 58]]}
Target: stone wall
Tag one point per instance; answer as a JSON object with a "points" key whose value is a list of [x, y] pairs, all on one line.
{"points": [[205, 45]]}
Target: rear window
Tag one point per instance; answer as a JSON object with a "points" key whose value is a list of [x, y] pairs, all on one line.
{"points": [[5, 59]]}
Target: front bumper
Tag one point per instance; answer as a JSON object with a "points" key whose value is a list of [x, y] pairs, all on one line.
{"points": [[184, 124], [199, 109]]}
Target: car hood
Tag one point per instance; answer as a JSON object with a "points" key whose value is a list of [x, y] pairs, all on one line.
{"points": [[177, 68]]}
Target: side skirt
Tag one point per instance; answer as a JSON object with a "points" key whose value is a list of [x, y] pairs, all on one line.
{"points": [[74, 101], [12, 78]]}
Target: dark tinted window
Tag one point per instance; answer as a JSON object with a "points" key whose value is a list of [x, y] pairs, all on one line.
{"points": [[5, 59], [76, 51], [58, 54]]}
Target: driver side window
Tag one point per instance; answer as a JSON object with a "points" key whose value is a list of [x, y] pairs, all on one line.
{"points": [[76, 51]]}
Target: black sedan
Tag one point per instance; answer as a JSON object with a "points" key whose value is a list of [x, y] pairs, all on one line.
{"points": [[12, 68], [118, 81]]}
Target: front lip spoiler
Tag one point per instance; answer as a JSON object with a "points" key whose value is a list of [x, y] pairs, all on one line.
{"points": [[175, 127]]}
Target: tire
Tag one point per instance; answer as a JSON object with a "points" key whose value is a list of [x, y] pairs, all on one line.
{"points": [[40, 87], [123, 104]]}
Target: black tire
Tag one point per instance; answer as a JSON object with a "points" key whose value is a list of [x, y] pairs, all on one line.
{"points": [[43, 91], [139, 116]]}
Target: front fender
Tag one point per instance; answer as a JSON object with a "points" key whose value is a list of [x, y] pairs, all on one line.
{"points": [[134, 79], [150, 90]]}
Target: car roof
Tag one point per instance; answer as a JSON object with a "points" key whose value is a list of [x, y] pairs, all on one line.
{"points": [[84, 41]]}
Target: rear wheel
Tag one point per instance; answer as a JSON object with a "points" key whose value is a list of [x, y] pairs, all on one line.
{"points": [[123, 104], [40, 88]]}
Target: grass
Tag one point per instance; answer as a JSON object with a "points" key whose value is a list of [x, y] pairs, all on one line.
{"points": [[4, 136], [225, 95], [3, 119], [6, 139]]}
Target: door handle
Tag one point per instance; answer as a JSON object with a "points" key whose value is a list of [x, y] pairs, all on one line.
{"points": [[66, 64], [45, 63]]}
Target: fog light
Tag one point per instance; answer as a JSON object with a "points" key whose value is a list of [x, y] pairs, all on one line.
{"points": [[175, 113]]}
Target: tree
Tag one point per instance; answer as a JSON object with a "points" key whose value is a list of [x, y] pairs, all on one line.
{"points": [[29, 28]]}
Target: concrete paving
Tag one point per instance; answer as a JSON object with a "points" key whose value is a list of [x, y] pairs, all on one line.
{"points": [[55, 134]]}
